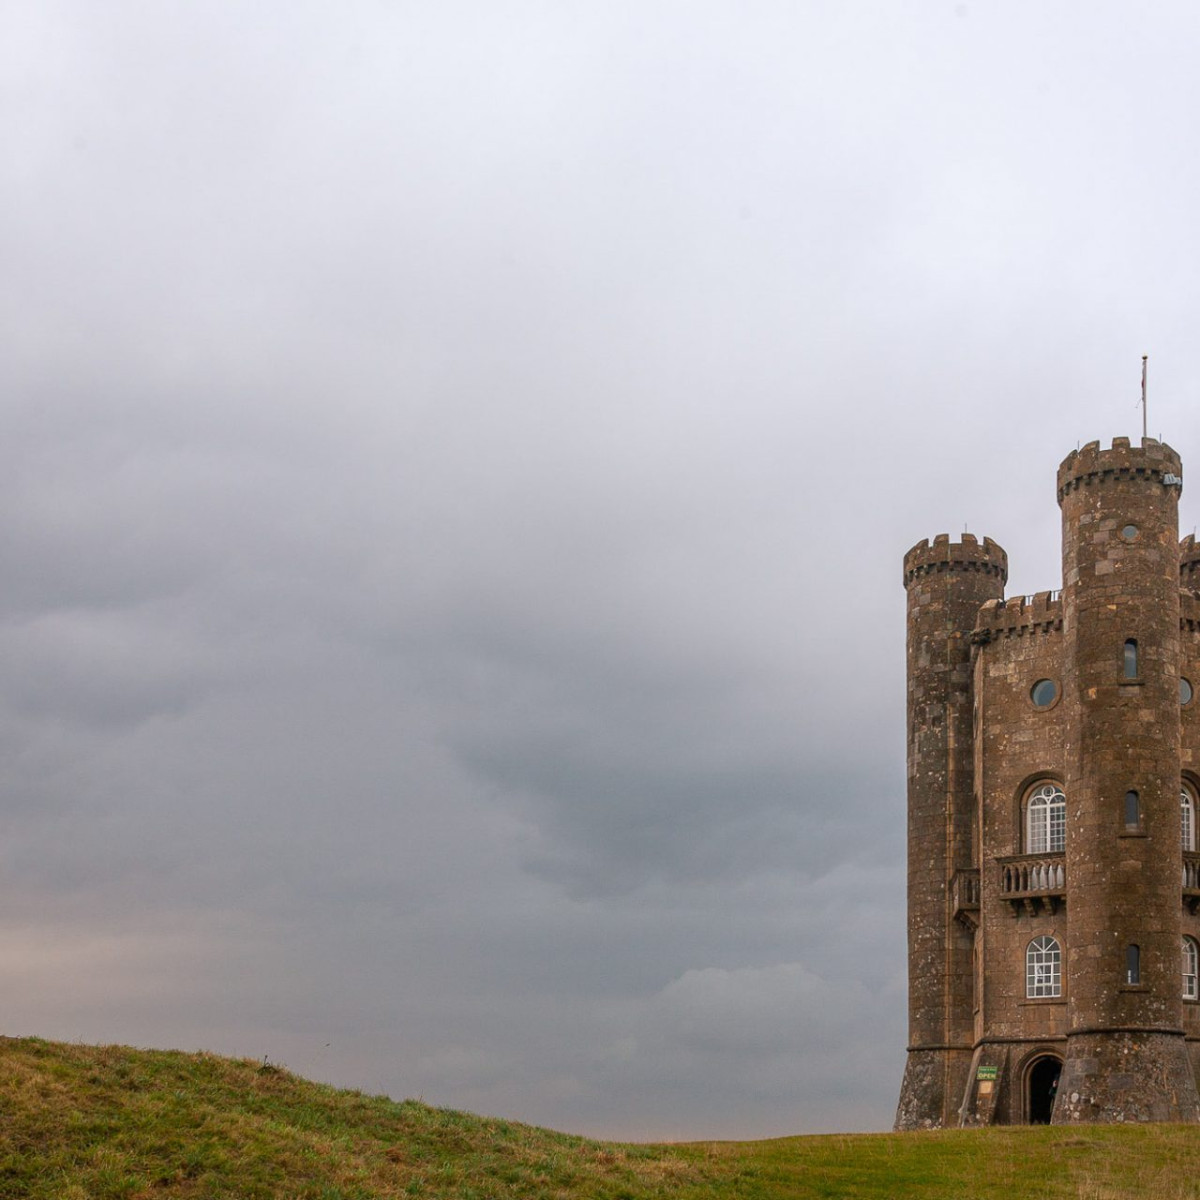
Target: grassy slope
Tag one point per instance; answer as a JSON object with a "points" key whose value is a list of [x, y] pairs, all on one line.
{"points": [[84, 1121]]}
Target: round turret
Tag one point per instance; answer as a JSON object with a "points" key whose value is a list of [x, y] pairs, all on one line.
{"points": [[947, 584], [1153, 461], [969, 554], [1121, 615]]}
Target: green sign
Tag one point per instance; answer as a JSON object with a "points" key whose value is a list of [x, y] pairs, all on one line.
{"points": [[986, 1072]]}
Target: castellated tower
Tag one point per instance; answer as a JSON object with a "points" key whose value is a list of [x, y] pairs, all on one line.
{"points": [[1053, 742], [947, 582]]}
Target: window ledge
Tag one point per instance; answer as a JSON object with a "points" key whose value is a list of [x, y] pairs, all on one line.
{"points": [[1134, 987], [1042, 1001]]}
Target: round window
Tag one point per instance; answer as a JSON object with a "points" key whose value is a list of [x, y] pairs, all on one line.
{"points": [[1044, 693], [1185, 691], [1129, 532]]}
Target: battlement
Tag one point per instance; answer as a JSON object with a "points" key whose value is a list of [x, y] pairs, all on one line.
{"points": [[1189, 562], [1189, 611], [1040, 613], [1153, 461], [969, 554]]}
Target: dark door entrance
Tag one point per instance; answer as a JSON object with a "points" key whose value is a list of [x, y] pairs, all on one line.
{"points": [[1043, 1087]]}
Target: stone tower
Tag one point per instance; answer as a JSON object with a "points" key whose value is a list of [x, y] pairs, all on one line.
{"points": [[1054, 943], [947, 583]]}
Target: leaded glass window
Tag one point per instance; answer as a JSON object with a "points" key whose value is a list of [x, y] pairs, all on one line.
{"points": [[1046, 820], [1043, 968]]}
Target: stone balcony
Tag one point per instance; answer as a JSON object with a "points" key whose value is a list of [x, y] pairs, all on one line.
{"points": [[1034, 883], [965, 887], [1191, 880]]}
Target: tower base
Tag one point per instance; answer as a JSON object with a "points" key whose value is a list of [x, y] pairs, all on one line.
{"points": [[1126, 1075], [932, 1090]]}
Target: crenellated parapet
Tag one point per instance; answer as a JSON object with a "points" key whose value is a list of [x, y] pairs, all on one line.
{"points": [[1153, 461], [1189, 563], [968, 554], [1189, 611], [1018, 616]]}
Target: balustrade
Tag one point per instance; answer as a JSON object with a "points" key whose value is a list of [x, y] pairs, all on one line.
{"points": [[1191, 880], [1031, 882], [966, 897]]}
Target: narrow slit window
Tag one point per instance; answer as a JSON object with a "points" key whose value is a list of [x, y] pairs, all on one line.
{"points": [[1187, 820], [1133, 811], [1191, 967], [1133, 965], [1131, 659]]}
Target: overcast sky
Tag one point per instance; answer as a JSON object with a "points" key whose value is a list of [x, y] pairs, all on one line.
{"points": [[457, 459]]}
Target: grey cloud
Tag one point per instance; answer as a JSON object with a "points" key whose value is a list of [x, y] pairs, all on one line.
{"points": [[456, 467]]}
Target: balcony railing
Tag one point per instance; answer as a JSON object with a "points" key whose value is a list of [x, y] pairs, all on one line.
{"points": [[1033, 882], [966, 897], [1191, 880]]}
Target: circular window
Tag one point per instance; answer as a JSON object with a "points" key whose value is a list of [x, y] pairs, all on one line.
{"points": [[1044, 693], [1129, 533], [1185, 691]]}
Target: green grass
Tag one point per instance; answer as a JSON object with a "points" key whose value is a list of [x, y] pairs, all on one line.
{"points": [[93, 1123]]}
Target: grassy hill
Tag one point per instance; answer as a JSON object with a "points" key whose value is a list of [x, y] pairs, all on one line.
{"points": [[93, 1122]]}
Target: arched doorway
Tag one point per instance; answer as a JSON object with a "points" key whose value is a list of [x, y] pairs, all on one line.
{"points": [[1041, 1086]]}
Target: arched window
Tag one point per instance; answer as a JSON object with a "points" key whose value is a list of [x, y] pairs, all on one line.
{"points": [[1133, 810], [1131, 659], [1187, 820], [1046, 820], [1133, 964], [1191, 963], [1043, 968]]}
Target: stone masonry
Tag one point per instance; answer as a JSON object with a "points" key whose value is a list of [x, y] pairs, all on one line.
{"points": [[1053, 873]]}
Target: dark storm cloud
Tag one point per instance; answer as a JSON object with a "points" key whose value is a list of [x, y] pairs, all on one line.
{"points": [[456, 466]]}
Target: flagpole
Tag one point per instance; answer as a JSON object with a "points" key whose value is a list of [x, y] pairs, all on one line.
{"points": [[1144, 418]]}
